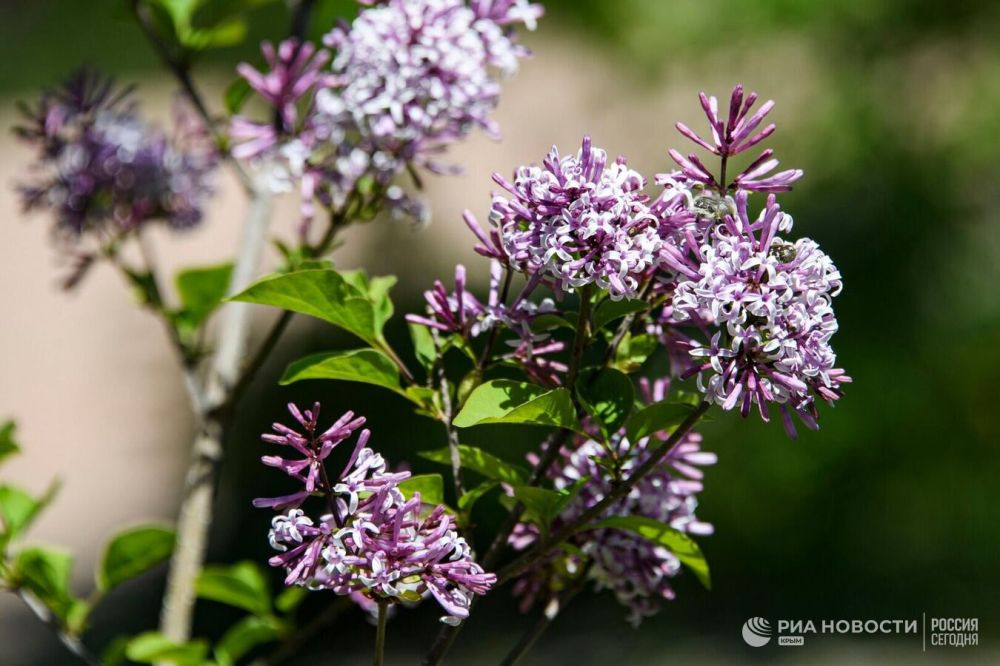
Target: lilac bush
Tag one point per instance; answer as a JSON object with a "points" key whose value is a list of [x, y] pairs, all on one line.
{"points": [[620, 310]]}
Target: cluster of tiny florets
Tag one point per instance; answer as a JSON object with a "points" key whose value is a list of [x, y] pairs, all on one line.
{"points": [[372, 542], [636, 570], [771, 303], [102, 170], [575, 221], [407, 78]]}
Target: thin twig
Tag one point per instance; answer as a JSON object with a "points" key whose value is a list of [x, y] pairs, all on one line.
{"points": [[495, 330], [547, 617], [617, 493], [42, 612], [383, 613], [453, 442], [183, 76]]}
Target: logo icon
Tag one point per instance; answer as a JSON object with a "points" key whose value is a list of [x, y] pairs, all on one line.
{"points": [[757, 632]]}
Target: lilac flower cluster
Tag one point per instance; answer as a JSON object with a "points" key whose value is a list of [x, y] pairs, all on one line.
{"points": [[762, 304], [460, 312], [408, 78], [730, 298], [102, 170], [731, 137], [575, 221], [636, 570], [772, 299], [372, 543]]}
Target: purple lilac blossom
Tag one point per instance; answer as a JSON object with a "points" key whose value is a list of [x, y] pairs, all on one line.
{"points": [[732, 135], [102, 170], [409, 78], [575, 221], [636, 570], [372, 543], [459, 312], [772, 302]]}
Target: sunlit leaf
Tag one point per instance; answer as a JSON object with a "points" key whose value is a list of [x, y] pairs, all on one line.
{"points": [[201, 290], [18, 509], [480, 461], [242, 585], [468, 500], [46, 573], [368, 366], [133, 552], [323, 294], [679, 543], [423, 345], [658, 417], [430, 487], [153, 647], [506, 401], [244, 636]]}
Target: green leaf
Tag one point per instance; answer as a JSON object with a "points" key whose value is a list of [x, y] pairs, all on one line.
{"points": [[610, 311], [480, 461], [506, 401], [323, 294], [658, 417], [430, 487], [368, 366], [290, 598], [608, 396], [679, 543], [242, 585], [153, 646], [230, 33], [18, 509], [633, 351], [543, 505], [201, 290], [376, 289], [114, 653], [423, 345], [133, 552], [46, 573], [548, 321], [8, 443], [467, 500], [244, 636]]}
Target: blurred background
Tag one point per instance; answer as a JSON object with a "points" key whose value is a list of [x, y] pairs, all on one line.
{"points": [[889, 511]]}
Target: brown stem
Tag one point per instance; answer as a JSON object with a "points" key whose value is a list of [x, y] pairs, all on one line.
{"points": [[183, 76], [547, 617]]}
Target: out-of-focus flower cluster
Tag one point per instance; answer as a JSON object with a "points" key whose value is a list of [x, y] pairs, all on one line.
{"points": [[407, 78], [731, 298], [371, 542], [102, 170], [638, 571]]}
